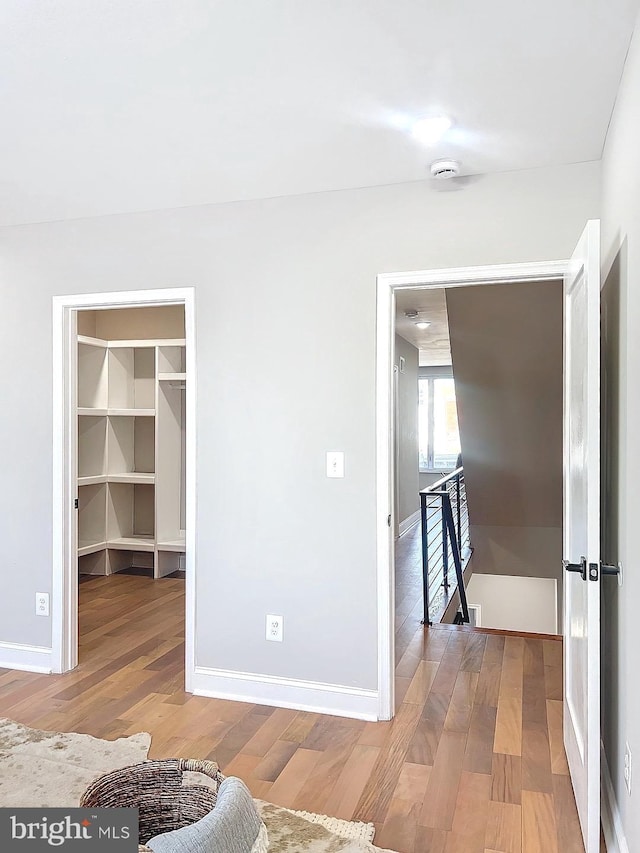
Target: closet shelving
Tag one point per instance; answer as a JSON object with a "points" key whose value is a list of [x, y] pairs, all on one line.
{"points": [[130, 407]]}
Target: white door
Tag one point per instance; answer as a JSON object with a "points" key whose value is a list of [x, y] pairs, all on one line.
{"points": [[581, 547]]}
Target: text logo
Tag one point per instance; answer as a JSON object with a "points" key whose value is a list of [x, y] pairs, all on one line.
{"points": [[36, 830]]}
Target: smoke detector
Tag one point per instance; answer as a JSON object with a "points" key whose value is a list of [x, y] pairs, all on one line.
{"points": [[442, 169]]}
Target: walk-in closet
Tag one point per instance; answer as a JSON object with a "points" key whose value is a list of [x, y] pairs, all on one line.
{"points": [[131, 380]]}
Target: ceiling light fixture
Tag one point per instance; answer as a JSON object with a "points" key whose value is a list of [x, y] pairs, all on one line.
{"points": [[422, 325], [430, 130]]}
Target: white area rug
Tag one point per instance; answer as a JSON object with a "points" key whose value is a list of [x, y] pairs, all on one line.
{"points": [[52, 769], [39, 768]]}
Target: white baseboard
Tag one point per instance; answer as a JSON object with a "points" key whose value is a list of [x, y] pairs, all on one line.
{"points": [[409, 522], [611, 820], [286, 693], [27, 658]]}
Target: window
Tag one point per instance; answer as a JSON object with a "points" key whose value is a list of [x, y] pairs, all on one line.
{"points": [[438, 435]]}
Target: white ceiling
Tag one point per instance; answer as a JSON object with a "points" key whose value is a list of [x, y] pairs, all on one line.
{"points": [[433, 343], [112, 105]]}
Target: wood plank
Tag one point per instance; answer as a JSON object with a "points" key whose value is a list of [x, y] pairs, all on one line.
{"points": [[469, 825], [424, 742], [421, 682], [400, 827], [447, 673], [459, 712], [536, 758], [539, 831], [376, 796], [287, 786], [553, 682], [271, 731], [478, 756], [508, 734], [566, 814], [506, 777], [488, 688], [275, 760], [442, 792], [504, 831], [351, 782], [412, 782], [474, 653], [430, 840], [556, 741]]}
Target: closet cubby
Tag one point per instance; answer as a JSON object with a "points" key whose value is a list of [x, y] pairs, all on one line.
{"points": [[94, 563], [92, 504], [170, 456], [117, 560], [92, 447], [131, 448], [132, 374], [130, 516], [92, 376], [171, 360]]}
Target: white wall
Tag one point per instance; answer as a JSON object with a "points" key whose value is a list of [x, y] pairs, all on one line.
{"points": [[515, 603], [407, 499], [291, 275], [621, 427]]}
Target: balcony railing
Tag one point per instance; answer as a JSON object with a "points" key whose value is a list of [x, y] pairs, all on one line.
{"points": [[446, 546]]}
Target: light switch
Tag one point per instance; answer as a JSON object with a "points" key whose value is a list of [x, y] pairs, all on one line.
{"points": [[335, 463]]}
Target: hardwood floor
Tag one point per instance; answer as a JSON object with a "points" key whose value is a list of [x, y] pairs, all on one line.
{"points": [[472, 762]]}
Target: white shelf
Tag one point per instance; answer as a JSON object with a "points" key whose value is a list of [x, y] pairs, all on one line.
{"points": [[132, 543], [116, 413], [94, 413], [93, 480], [92, 342], [177, 545], [85, 548], [172, 377], [131, 413], [132, 477], [138, 344]]}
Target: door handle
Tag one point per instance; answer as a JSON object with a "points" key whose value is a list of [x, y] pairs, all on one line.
{"points": [[580, 567]]}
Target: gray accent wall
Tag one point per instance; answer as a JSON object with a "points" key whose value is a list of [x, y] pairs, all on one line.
{"points": [[506, 347], [407, 499], [274, 279], [620, 444]]}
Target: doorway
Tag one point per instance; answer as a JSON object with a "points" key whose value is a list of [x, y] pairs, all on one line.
{"points": [[388, 285], [124, 430]]}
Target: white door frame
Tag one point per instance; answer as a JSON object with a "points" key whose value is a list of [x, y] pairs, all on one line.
{"points": [[387, 284], [64, 586]]}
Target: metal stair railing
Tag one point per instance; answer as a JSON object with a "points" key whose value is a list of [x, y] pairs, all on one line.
{"points": [[445, 541]]}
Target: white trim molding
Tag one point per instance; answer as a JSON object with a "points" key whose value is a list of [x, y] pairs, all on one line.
{"points": [[26, 658], [387, 284], [409, 522], [300, 695], [610, 813], [64, 585]]}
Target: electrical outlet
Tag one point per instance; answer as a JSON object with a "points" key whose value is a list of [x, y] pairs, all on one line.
{"points": [[42, 603], [274, 628], [627, 767]]}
